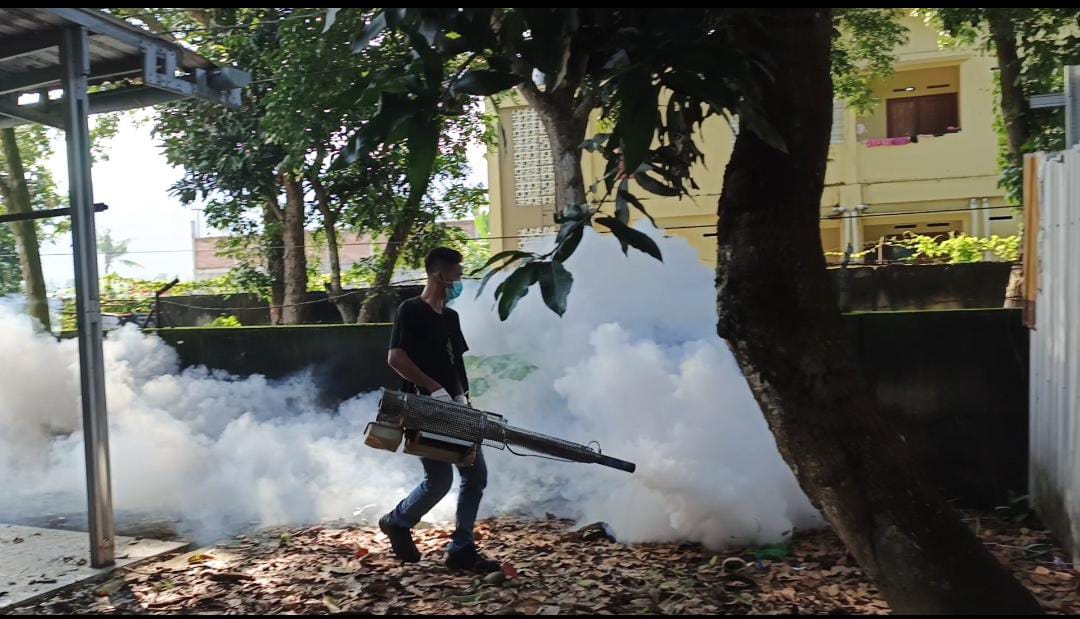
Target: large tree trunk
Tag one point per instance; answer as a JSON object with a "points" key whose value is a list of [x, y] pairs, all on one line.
{"points": [[1014, 105], [16, 197], [777, 310], [1014, 289], [292, 313], [345, 305], [380, 295], [565, 115], [274, 252], [566, 135]]}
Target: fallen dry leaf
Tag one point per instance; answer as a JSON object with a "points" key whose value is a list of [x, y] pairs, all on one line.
{"points": [[548, 569], [200, 558]]}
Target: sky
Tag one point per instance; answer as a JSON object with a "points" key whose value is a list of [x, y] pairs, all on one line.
{"points": [[134, 181]]}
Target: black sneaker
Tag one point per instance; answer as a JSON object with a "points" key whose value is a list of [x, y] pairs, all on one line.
{"points": [[472, 561], [400, 540]]}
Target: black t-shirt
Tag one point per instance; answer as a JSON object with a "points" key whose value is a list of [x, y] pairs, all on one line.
{"points": [[435, 344]]}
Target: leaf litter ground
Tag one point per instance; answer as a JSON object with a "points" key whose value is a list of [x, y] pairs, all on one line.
{"points": [[549, 568]]}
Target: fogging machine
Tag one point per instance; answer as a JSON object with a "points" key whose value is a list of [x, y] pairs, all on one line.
{"points": [[451, 432]]}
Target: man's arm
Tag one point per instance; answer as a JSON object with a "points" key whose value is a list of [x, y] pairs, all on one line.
{"points": [[401, 363], [459, 363], [461, 377]]}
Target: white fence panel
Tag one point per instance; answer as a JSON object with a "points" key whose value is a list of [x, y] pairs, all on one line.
{"points": [[1054, 392]]}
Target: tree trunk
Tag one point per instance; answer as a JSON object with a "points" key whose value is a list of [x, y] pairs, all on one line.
{"points": [[1014, 290], [345, 305], [380, 294], [1014, 105], [16, 196], [292, 312], [274, 252], [566, 135], [777, 310]]}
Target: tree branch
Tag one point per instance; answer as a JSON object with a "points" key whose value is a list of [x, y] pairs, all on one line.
{"points": [[322, 199], [274, 208], [533, 96], [575, 73], [587, 100], [200, 16]]}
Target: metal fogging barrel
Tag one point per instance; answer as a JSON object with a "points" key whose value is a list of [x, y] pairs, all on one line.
{"points": [[450, 432]]}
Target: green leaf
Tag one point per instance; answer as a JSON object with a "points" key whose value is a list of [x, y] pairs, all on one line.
{"points": [[432, 62], [515, 287], [654, 186], [555, 282], [570, 242], [638, 116], [510, 253], [358, 146], [395, 17], [632, 199], [508, 257], [618, 61], [628, 236], [573, 212], [483, 83], [688, 84], [423, 142], [331, 17], [549, 46], [429, 29], [596, 142], [394, 110], [372, 30], [622, 210]]}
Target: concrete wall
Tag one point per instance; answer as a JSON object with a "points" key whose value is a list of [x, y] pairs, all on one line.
{"points": [[953, 382], [346, 359], [200, 310], [921, 287]]}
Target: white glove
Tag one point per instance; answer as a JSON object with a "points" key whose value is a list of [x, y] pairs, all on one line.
{"points": [[442, 394], [461, 399]]}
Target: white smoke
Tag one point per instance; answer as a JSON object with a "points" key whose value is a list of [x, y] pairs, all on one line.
{"points": [[634, 364]]}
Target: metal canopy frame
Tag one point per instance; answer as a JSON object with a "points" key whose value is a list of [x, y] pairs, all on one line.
{"points": [[73, 49], [1070, 100]]}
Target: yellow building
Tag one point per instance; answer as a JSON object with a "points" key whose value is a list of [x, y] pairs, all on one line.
{"points": [[924, 161]]}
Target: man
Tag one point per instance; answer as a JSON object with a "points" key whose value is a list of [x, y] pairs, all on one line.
{"points": [[426, 349]]}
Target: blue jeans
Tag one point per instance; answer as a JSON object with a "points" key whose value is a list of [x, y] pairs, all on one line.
{"points": [[438, 476]]}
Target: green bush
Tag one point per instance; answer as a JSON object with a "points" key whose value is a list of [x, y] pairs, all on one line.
{"points": [[225, 321], [959, 248]]}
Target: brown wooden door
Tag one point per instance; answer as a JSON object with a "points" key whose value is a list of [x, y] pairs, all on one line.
{"points": [[903, 117], [938, 112]]}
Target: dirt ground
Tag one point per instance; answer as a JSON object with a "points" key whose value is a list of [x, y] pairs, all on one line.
{"points": [[549, 568]]}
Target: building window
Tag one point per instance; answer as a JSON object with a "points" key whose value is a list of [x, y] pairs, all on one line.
{"points": [[837, 136], [923, 115], [534, 172]]}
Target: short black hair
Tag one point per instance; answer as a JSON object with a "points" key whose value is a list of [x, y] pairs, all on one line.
{"points": [[440, 258]]}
